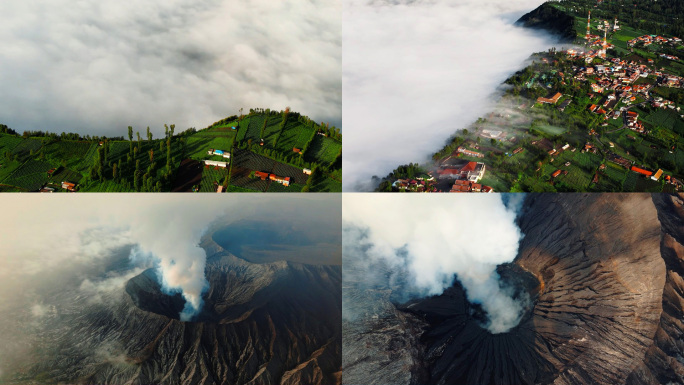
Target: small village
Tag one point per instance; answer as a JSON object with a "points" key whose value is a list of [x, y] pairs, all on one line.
{"points": [[610, 91]]}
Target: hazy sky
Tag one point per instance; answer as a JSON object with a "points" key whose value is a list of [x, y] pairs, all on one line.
{"points": [[65, 232], [416, 71], [98, 66]]}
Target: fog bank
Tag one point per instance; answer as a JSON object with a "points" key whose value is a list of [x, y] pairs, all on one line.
{"points": [[414, 72], [98, 67]]}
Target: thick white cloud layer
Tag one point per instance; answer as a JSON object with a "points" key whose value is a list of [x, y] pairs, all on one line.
{"points": [[414, 72], [439, 237], [96, 67]]}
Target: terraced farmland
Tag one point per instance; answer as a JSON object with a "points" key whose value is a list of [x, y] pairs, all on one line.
{"points": [[30, 176], [76, 160], [323, 149]]}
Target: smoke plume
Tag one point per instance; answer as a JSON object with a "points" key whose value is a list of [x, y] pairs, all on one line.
{"points": [[438, 238], [417, 71], [176, 254]]}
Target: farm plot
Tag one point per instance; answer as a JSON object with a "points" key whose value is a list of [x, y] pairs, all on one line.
{"points": [[104, 186], [254, 128], [647, 185], [294, 137], [616, 173], [630, 181], [7, 168], [26, 146], [667, 118], [6, 188], [328, 183], [577, 178], [550, 130], [323, 150], [8, 143], [212, 177], [71, 152], [606, 183], [197, 145], [31, 176], [117, 150], [272, 130], [244, 162], [66, 175], [277, 187], [243, 127], [296, 174], [586, 161]]}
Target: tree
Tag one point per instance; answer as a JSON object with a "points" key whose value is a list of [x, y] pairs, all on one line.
{"points": [[130, 137], [263, 128], [149, 134], [136, 176]]}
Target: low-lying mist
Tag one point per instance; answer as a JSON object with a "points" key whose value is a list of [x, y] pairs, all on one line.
{"points": [[63, 253], [429, 241], [414, 72]]}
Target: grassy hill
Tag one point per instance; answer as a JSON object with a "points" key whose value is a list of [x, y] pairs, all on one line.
{"points": [[282, 143]]}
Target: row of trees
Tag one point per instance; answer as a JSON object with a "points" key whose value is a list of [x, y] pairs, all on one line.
{"points": [[130, 171]]}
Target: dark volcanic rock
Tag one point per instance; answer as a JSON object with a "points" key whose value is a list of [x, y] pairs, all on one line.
{"points": [[269, 323], [606, 306], [552, 20], [664, 360]]}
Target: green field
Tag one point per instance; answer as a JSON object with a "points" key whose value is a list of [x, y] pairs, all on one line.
{"points": [[323, 149], [211, 177], [30, 176], [100, 165], [550, 130]]}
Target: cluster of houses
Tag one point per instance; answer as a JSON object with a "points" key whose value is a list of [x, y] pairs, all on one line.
{"points": [[221, 153], [633, 122], [669, 57], [470, 171], [467, 152], [284, 180], [419, 184], [217, 163], [554, 151], [661, 103], [618, 80], [468, 186], [654, 39], [65, 185], [671, 81], [654, 175]]}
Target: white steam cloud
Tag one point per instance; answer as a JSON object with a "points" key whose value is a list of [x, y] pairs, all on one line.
{"points": [[180, 263], [414, 72], [441, 237], [96, 67]]}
